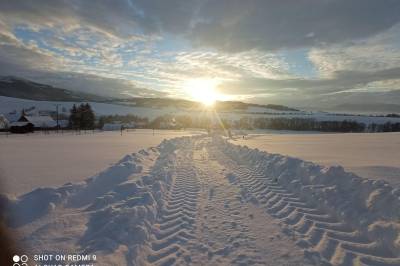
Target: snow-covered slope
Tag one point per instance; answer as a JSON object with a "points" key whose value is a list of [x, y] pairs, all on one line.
{"points": [[8, 104], [203, 201]]}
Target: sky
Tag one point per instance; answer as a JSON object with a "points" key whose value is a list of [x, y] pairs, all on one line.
{"points": [[298, 53]]}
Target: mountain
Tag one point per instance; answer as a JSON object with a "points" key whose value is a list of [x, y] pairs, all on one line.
{"points": [[16, 87], [187, 104]]}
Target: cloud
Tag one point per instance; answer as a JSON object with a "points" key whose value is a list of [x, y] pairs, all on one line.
{"points": [[31, 62], [376, 53], [110, 17], [318, 92], [271, 25], [118, 19], [97, 84], [223, 24]]}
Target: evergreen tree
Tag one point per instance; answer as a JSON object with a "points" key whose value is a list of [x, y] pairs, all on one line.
{"points": [[81, 117], [89, 117], [86, 116], [74, 118]]}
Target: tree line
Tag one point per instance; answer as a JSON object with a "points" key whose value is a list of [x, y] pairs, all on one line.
{"points": [[125, 119], [83, 117], [305, 124]]}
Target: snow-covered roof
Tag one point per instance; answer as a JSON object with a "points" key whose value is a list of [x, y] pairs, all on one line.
{"points": [[112, 126], [12, 117], [63, 123], [41, 121]]}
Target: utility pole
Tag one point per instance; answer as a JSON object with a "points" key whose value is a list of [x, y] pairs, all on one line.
{"points": [[58, 126]]}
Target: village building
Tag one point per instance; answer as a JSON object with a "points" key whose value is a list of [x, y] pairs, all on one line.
{"points": [[39, 121], [12, 116], [21, 127], [63, 123], [27, 123], [112, 126]]}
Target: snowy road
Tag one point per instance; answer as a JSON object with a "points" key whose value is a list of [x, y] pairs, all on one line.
{"points": [[203, 201], [206, 221]]}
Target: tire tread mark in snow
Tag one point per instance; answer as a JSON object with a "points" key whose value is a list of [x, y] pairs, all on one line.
{"points": [[176, 223], [322, 234]]}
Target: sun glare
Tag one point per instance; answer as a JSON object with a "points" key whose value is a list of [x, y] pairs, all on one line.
{"points": [[202, 90]]}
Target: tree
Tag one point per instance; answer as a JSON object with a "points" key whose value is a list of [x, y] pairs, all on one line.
{"points": [[73, 121], [81, 117], [86, 116]]}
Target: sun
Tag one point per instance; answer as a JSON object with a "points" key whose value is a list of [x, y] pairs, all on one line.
{"points": [[202, 90]]}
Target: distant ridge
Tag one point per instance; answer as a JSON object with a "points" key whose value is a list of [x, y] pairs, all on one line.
{"points": [[17, 87], [219, 105]]}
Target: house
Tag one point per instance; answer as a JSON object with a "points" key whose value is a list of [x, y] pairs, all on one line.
{"points": [[63, 123], [27, 123], [129, 125], [12, 116], [112, 126], [39, 122], [21, 127]]}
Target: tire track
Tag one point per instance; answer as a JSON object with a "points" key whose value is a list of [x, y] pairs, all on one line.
{"points": [[228, 232], [176, 224], [326, 239], [225, 235]]}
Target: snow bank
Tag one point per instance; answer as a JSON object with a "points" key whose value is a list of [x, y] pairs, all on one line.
{"points": [[371, 207], [121, 203]]}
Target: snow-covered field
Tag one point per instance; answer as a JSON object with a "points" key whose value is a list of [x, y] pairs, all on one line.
{"points": [[370, 155], [36, 160], [204, 201]]}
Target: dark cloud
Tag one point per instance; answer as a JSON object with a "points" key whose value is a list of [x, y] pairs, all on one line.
{"points": [[122, 19], [16, 59], [267, 24], [342, 80], [113, 87], [365, 101], [113, 17], [229, 25]]}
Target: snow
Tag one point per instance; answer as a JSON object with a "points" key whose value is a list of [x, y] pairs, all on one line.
{"points": [[41, 121], [37, 160], [370, 155], [9, 104], [204, 201]]}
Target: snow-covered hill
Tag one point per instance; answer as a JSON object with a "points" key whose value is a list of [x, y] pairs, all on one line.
{"points": [[9, 104], [26, 89]]}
